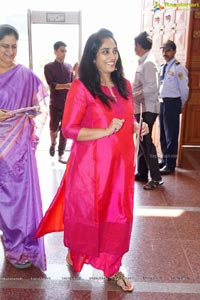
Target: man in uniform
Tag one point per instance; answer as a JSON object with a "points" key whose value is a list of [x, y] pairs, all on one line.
{"points": [[173, 93]]}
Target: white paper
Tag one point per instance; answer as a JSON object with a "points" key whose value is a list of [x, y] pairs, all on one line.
{"points": [[23, 110]]}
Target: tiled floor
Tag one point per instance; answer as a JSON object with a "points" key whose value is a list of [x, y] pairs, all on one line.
{"points": [[164, 256]]}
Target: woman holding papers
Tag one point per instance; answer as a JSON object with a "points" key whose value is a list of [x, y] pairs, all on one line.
{"points": [[21, 97]]}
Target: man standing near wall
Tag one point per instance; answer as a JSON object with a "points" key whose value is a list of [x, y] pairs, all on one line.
{"points": [[173, 93]]}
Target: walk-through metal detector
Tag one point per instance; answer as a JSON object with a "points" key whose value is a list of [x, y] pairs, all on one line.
{"points": [[47, 17]]}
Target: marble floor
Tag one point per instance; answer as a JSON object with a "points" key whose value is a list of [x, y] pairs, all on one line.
{"points": [[164, 257]]}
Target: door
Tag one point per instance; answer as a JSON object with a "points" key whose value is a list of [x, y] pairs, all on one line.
{"points": [[191, 132], [165, 20]]}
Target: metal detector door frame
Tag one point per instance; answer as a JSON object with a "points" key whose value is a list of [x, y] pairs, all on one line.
{"points": [[52, 17]]}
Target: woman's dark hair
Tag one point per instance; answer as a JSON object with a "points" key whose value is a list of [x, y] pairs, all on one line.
{"points": [[144, 40], [89, 73], [6, 29]]}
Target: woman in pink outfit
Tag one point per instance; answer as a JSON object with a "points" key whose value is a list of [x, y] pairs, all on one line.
{"points": [[94, 203]]}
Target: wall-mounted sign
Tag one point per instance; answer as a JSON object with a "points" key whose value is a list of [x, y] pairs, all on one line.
{"points": [[55, 17]]}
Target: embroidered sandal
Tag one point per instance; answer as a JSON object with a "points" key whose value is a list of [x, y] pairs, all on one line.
{"points": [[120, 280]]}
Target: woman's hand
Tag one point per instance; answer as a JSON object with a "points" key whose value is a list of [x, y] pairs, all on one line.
{"points": [[115, 126], [88, 134], [75, 70], [4, 115]]}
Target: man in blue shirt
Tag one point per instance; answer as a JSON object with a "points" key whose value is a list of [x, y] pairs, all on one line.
{"points": [[173, 94]]}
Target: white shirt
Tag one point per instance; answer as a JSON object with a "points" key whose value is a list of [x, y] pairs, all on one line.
{"points": [[146, 84]]}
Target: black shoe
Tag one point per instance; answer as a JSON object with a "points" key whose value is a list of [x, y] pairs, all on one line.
{"points": [[152, 184], [52, 150], [161, 164], [166, 171], [62, 159], [138, 177]]}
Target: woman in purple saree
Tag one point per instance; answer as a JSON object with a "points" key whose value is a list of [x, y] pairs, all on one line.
{"points": [[20, 198]]}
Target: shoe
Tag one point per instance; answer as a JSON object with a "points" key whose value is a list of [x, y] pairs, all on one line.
{"points": [[62, 159], [52, 150], [138, 177], [152, 185], [161, 164], [27, 264], [166, 171], [121, 281]]}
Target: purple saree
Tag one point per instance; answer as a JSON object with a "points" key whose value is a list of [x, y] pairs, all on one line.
{"points": [[20, 198]]}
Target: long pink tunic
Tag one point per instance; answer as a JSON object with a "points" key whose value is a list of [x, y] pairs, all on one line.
{"points": [[96, 192]]}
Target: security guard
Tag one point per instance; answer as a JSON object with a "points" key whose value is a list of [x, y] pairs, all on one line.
{"points": [[173, 93]]}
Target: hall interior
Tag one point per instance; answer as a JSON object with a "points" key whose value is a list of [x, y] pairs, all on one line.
{"points": [[164, 256]]}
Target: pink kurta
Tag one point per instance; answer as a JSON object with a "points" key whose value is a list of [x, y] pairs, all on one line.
{"points": [[96, 192]]}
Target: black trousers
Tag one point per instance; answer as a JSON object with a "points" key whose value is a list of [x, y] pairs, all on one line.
{"points": [[147, 156], [170, 110], [55, 124]]}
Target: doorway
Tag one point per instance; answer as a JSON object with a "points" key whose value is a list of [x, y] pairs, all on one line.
{"points": [[44, 29]]}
